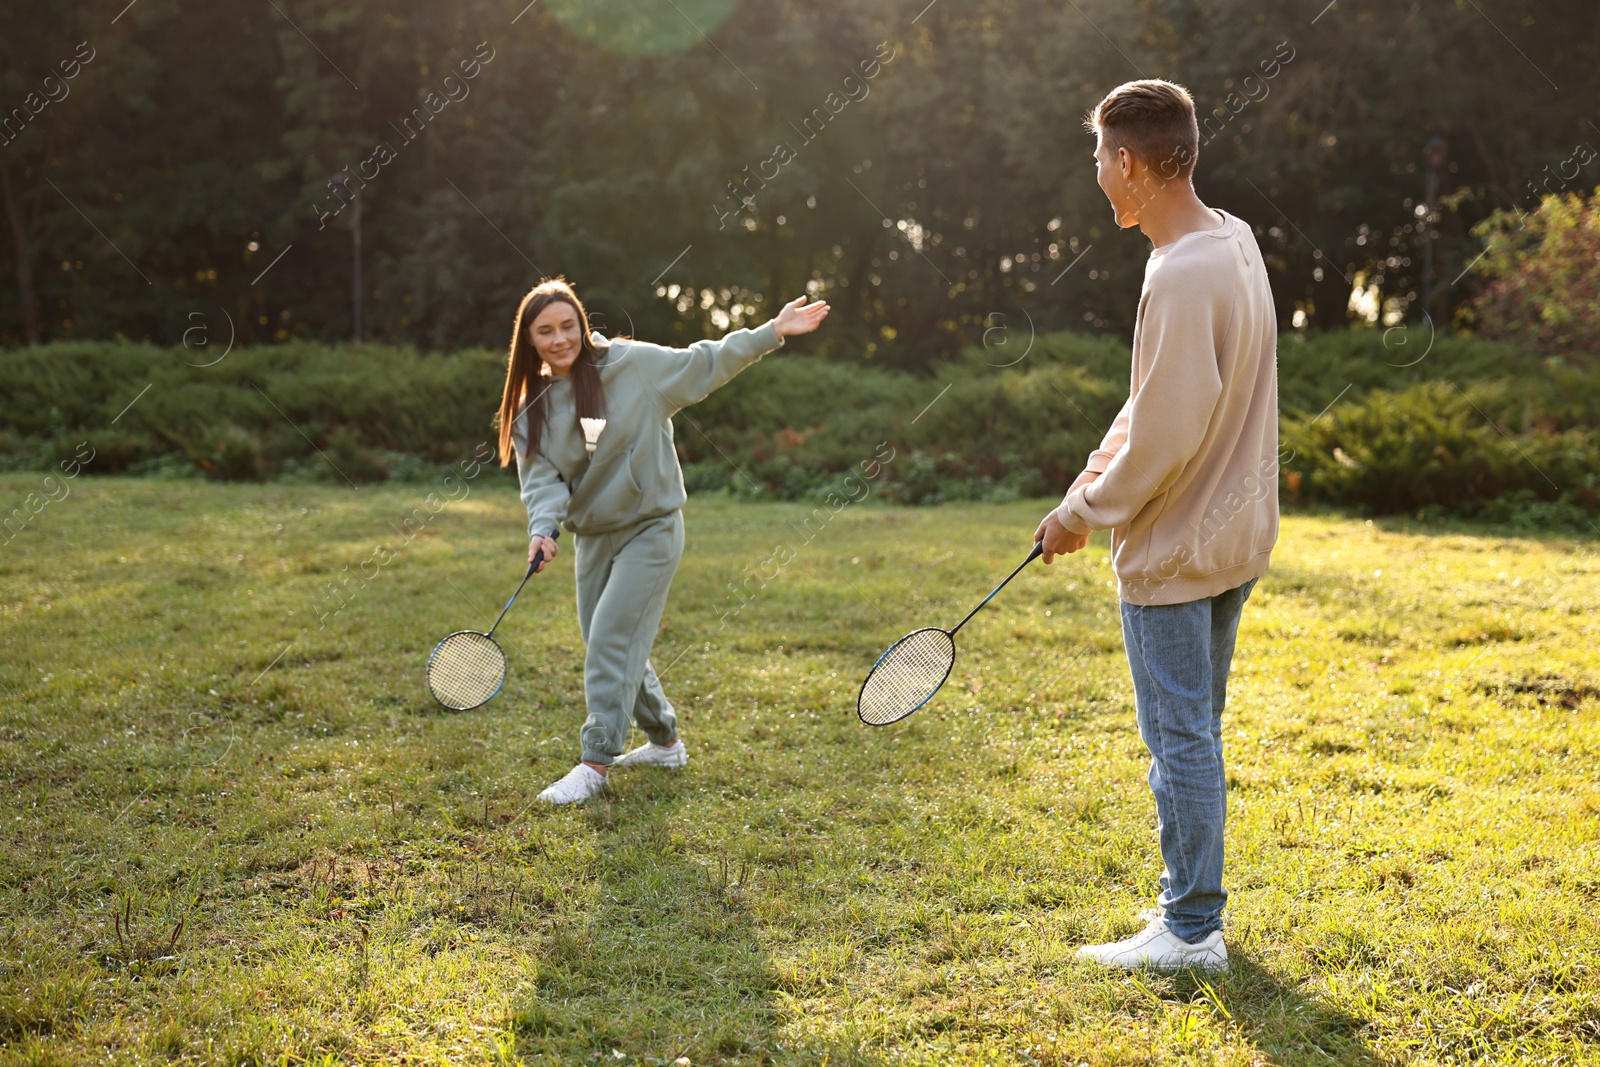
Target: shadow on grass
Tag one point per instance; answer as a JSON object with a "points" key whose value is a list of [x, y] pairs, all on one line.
{"points": [[667, 964], [1288, 1026]]}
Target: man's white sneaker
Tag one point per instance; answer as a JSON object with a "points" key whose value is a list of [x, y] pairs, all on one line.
{"points": [[1157, 948], [580, 783], [655, 755]]}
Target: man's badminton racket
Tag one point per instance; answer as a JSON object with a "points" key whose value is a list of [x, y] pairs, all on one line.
{"points": [[916, 666], [468, 668]]}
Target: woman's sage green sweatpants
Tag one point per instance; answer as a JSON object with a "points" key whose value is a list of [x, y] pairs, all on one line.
{"points": [[623, 577]]}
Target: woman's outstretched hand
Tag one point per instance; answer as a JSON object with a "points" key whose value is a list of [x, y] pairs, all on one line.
{"points": [[798, 317]]}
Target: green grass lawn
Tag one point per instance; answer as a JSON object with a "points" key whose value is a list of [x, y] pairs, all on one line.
{"points": [[237, 830]]}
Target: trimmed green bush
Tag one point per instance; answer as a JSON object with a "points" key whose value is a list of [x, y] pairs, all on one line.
{"points": [[1434, 446], [249, 415], [1385, 421]]}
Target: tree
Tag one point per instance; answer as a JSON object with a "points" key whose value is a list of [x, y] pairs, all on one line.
{"points": [[686, 178], [1542, 271]]}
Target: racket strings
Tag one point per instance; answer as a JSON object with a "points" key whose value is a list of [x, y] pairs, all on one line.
{"points": [[466, 669], [906, 676]]}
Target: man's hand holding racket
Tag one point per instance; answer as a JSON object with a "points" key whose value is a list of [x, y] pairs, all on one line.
{"points": [[1056, 538], [538, 544]]}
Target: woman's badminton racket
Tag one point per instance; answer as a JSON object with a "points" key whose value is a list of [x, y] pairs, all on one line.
{"points": [[916, 666], [468, 668]]}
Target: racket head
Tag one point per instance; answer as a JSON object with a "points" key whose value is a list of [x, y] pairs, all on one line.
{"points": [[466, 670], [906, 676]]}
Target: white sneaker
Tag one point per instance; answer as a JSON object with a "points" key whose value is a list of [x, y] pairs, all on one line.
{"points": [[580, 783], [654, 755], [1159, 949]]}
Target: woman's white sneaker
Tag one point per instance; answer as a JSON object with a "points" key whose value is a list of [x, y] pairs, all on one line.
{"points": [[655, 755], [580, 783], [1157, 948]]}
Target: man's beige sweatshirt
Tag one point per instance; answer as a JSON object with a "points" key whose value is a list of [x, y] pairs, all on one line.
{"points": [[1189, 470]]}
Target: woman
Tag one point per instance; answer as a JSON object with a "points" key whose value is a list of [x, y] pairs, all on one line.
{"points": [[590, 423]]}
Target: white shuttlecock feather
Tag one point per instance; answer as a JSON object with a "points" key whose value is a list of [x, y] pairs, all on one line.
{"points": [[591, 432]]}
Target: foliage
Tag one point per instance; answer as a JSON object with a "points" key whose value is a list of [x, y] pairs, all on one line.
{"points": [[1383, 420], [600, 141], [1436, 446], [975, 429], [236, 836], [1401, 420], [1543, 271], [258, 412]]}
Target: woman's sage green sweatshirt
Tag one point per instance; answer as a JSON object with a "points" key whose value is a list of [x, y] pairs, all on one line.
{"points": [[633, 473]]}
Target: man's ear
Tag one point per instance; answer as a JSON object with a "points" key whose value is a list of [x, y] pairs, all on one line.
{"points": [[1125, 161]]}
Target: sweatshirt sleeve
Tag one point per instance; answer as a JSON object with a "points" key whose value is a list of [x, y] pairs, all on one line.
{"points": [[1112, 443], [689, 375], [544, 491], [1166, 419]]}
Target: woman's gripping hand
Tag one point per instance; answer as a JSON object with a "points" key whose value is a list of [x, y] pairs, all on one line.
{"points": [[549, 546]]}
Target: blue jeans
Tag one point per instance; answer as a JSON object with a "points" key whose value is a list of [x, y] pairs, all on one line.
{"points": [[1179, 655]]}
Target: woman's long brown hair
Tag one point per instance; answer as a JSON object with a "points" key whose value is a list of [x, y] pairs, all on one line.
{"points": [[527, 378]]}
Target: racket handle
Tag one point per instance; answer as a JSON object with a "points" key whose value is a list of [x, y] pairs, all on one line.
{"points": [[538, 558]]}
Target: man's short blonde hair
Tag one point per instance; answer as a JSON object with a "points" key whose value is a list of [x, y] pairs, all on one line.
{"points": [[1154, 120]]}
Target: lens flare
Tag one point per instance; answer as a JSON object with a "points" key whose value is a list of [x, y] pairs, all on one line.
{"points": [[642, 27]]}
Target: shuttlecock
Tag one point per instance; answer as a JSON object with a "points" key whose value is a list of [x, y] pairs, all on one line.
{"points": [[591, 432]]}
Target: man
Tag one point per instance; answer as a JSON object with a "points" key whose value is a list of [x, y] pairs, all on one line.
{"points": [[1186, 478]]}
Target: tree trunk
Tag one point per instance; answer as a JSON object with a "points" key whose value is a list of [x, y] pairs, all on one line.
{"points": [[19, 240]]}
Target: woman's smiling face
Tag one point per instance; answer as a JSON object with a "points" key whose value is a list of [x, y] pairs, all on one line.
{"points": [[557, 335]]}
